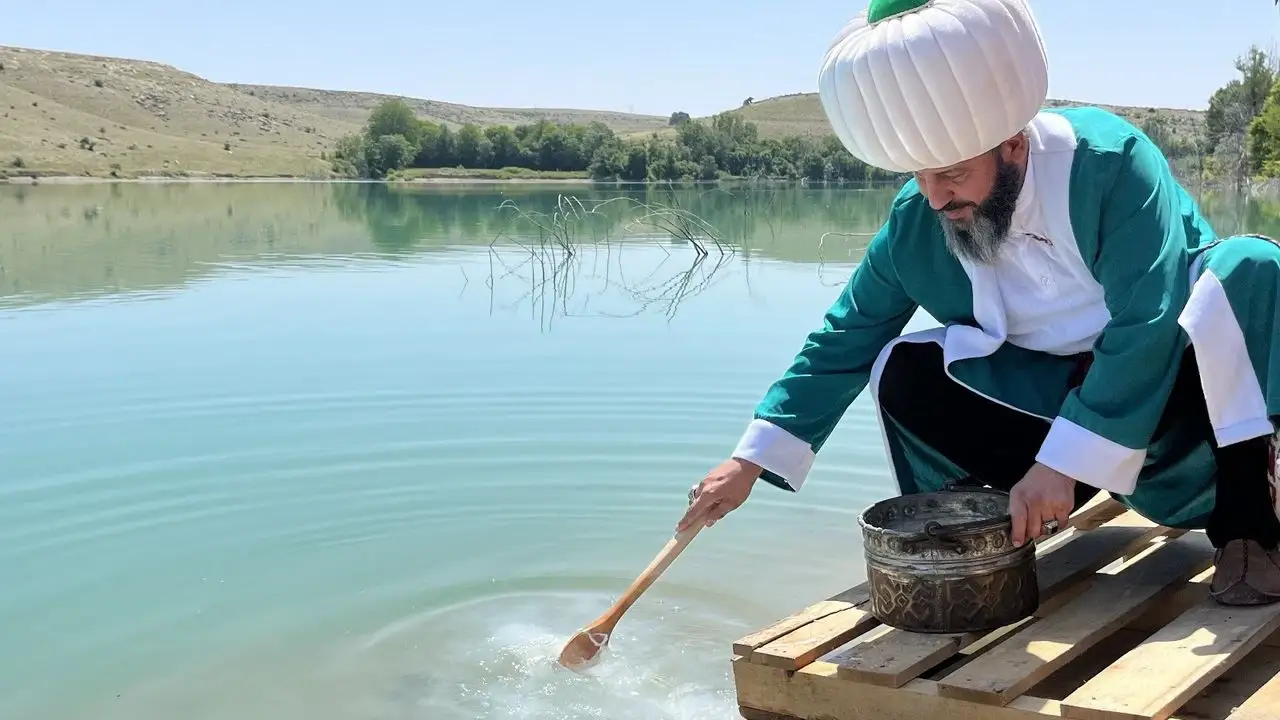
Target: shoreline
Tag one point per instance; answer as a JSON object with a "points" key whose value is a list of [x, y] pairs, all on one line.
{"points": [[1268, 188], [438, 180], [164, 179]]}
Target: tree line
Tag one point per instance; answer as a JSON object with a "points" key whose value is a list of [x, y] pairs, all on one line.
{"points": [[727, 145], [1236, 140]]}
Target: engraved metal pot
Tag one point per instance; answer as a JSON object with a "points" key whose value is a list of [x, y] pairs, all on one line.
{"points": [[944, 562]]}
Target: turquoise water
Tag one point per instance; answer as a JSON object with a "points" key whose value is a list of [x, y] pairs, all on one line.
{"points": [[337, 451]]}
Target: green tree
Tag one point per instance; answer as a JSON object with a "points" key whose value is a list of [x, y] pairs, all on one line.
{"points": [[472, 148], [708, 169], [1264, 136], [446, 148], [608, 163], [1232, 109], [388, 153], [429, 145], [348, 159], [637, 165], [504, 146], [394, 117]]}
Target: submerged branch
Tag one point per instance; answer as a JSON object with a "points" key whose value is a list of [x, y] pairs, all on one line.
{"points": [[822, 242], [553, 244]]}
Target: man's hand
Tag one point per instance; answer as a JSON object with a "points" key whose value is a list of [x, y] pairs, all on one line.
{"points": [[723, 489], [1044, 494]]}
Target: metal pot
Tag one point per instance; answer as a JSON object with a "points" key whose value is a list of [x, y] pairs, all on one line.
{"points": [[944, 562]]}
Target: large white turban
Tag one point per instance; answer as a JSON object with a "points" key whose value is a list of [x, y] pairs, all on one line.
{"points": [[917, 84]]}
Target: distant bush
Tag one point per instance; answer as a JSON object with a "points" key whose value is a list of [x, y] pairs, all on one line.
{"points": [[99, 83], [18, 162]]}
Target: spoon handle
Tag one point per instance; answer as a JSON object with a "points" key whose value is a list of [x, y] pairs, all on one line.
{"points": [[656, 567]]}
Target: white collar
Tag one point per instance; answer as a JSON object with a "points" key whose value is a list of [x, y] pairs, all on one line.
{"points": [[1027, 216]]}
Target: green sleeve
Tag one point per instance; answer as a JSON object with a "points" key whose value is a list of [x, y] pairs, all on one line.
{"points": [[801, 409], [1140, 258]]}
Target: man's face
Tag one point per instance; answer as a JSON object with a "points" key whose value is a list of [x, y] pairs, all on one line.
{"points": [[975, 199]]}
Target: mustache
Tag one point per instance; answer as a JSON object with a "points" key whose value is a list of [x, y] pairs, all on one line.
{"points": [[957, 205]]}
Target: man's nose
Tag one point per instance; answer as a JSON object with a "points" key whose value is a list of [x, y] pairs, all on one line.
{"points": [[938, 196]]}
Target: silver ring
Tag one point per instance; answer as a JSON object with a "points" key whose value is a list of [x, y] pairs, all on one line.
{"points": [[693, 494], [1049, 527]]}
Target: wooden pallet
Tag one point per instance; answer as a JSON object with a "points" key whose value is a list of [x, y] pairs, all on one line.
{"points": [[1125, 630]]}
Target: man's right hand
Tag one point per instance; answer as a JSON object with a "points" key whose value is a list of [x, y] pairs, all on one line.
{"points": [[722, 491]]}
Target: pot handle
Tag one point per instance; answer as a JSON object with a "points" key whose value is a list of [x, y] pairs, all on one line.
{"points": [[935, 530], [945, 536], [937, 538]]}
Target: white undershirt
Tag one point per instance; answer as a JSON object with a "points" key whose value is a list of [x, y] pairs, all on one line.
{"points": [[1051, 302]]}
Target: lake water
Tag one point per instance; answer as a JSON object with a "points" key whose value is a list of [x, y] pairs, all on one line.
{"points": [[344, 451]]}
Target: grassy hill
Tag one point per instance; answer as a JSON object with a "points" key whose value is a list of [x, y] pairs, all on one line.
{"points": [[801, 114], [71, 114], [354, 107]]}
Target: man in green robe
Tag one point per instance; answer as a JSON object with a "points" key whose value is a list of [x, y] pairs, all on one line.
{"points": [[1096, 334]]}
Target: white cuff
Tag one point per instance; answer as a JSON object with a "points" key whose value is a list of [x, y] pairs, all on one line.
{"points": [[1090, 458], [777, 451], [1244, 430]]}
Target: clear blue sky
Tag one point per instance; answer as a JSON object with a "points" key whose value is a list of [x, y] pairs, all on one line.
{"points": [[700, 56]]}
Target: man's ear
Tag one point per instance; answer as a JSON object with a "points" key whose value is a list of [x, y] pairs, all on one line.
{"points": [[1015, 149]]}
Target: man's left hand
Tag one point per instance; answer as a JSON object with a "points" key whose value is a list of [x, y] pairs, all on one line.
{"points": [[1044, 494]]}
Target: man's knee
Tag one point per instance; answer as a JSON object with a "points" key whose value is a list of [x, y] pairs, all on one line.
{"points": [[1246, 260], [1259, 247], [909, 371]]}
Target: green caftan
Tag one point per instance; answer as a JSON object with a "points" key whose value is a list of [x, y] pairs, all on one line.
{"points": [[1107, 255]]}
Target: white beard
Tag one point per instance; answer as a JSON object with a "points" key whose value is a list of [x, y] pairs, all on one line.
{"points": [[980, 242], [984, 236]]}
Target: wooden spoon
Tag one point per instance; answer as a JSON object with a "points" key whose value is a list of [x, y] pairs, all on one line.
{"points": [[583, 648]]}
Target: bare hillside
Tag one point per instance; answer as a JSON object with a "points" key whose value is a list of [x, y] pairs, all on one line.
{"points": [[65, 113], [354, 107], [83, 114]]}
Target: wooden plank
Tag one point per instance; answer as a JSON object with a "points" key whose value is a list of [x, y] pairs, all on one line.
{"points": [[850, 598], [1161, 674], [1262, 705], [968, 653], [898, 656], [1100, 509], [1215, 702], [1105, 607], [815, 693], [810, 642], [1086, 552]]}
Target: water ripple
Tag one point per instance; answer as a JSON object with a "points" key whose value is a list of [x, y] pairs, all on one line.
{"points": [[548, 404]]}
